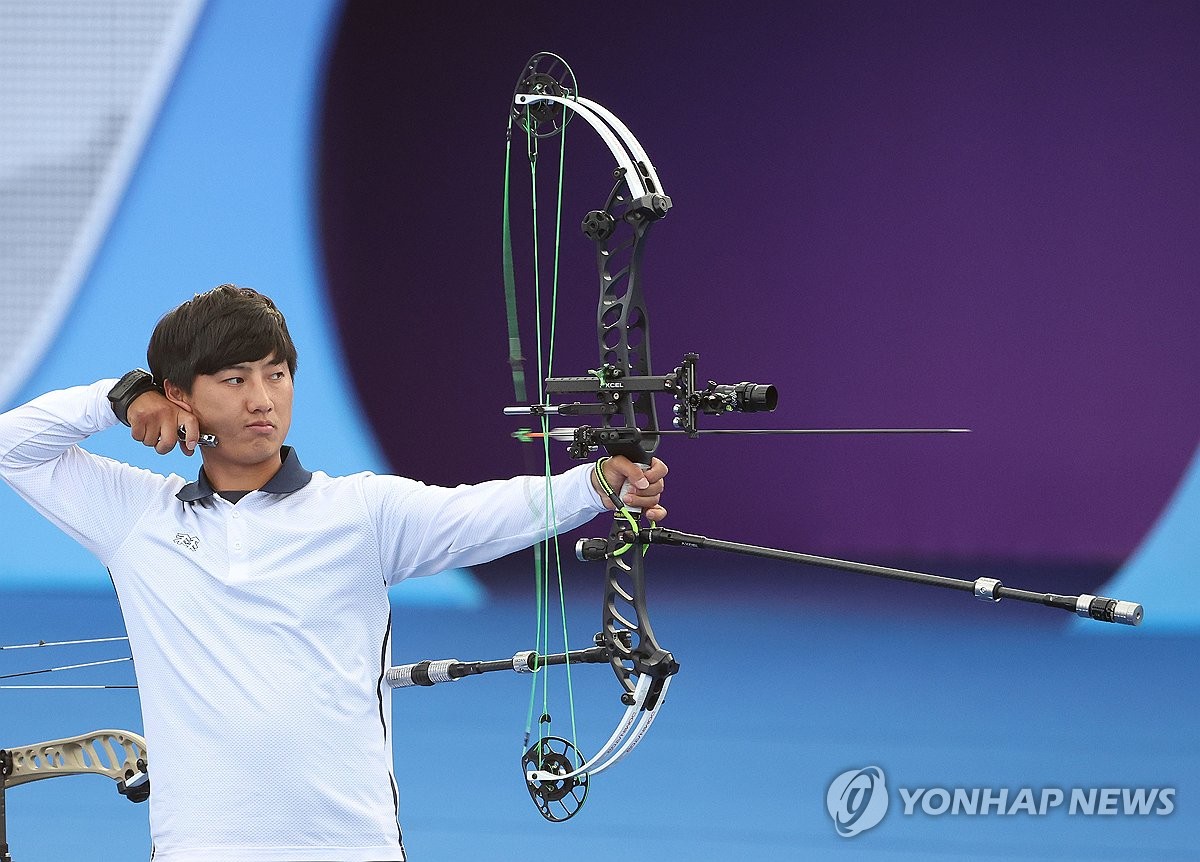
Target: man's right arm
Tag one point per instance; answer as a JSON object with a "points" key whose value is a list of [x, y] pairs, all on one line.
{"points": [[43, 429], [94, 500]]}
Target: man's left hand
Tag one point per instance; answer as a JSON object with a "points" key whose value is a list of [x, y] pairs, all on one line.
{"points": [[645, 486]]}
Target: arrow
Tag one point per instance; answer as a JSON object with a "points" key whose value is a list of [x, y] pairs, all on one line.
{"points": [[64, 643]]}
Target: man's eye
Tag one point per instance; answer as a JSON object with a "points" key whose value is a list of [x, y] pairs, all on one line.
{"points": [[234, 380]]}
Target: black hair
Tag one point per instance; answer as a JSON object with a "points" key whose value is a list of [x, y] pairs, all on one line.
{"points": [[225, 326]]}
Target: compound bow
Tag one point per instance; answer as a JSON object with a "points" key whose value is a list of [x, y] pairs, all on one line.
{"points": [[622, 390]]}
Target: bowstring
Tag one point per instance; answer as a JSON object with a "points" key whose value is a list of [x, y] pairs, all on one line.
{"points": [[562, 602], [549, 546], [541, 570], [545, 362]]}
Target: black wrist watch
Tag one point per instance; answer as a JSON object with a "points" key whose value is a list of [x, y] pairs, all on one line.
{"points": [[128, 388]]}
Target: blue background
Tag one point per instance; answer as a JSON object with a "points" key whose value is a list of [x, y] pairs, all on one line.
{"points": [[1078, 466]]}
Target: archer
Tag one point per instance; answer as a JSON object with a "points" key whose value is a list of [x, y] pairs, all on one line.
{"points": [[255, 597]]}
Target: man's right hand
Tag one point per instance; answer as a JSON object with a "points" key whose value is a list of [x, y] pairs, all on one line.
{"points": [[155, 421]]}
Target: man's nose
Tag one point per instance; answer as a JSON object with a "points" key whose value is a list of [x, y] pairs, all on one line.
{"points": [[258, 397]]}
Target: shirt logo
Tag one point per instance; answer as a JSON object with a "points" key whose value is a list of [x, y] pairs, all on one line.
{"points": [[192, 543]]}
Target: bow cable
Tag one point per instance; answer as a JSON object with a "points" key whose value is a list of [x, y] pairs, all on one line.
{"points": [[545, 363], [545, 357]]}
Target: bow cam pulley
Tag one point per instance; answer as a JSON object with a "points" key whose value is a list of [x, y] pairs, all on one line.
{"points": [[556, 798], [545, 74]]}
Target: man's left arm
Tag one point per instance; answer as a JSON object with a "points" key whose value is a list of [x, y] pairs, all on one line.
{"points": [[425, 529]]}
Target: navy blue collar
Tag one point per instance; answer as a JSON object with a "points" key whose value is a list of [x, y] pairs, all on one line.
{"points": [[290, 477]]}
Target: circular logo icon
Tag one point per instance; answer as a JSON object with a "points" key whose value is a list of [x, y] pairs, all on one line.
{"points": [[857, 800]]}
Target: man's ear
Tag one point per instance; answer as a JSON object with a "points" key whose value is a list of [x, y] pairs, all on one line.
{"points": [[177, 396]]}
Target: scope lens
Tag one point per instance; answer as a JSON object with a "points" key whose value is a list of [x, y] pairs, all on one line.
{"points": [[756, 397]]}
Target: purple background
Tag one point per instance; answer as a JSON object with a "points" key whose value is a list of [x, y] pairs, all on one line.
{"points": [[902, 214]]}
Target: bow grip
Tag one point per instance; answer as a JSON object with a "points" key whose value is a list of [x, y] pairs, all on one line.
{"points": [[631, 449]]}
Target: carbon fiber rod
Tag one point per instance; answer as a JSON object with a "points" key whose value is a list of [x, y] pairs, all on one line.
{"points": [[986, 589], [432, 672]]}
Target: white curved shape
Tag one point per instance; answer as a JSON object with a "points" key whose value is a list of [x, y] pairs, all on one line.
{"points": [[1161, 573], [631, 741], [113, 753], [200, 208], [631, 142], [619, 148], [623, 726], [622, 740]]}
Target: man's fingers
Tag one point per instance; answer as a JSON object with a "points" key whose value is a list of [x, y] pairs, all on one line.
{"points": [[168, 436], [645, 491], [636, 486], [633, 473], [146, 434], [189, 435], [647, 485], [162, 432]]}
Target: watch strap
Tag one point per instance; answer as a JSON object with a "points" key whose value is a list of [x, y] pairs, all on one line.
{"points": [[134, 384]]}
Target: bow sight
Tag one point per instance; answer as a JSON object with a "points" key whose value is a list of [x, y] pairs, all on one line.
{"points": [[613, 388]]}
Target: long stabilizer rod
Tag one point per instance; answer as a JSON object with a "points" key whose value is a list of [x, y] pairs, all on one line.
{"points": [[451, 669], [986, 589]]}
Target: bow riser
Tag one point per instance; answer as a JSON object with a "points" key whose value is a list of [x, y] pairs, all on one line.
{"points": [[625, 611], [117, 754], [623, 325], [623, 332]]}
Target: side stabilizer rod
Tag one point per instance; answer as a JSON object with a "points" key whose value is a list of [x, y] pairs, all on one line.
{"points": [[432, 672]]}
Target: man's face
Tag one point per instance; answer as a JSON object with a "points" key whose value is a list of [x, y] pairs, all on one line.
{"points": [[248, 407]]}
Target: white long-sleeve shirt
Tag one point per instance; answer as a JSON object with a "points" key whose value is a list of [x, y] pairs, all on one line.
{"points": [[260, 631]]}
